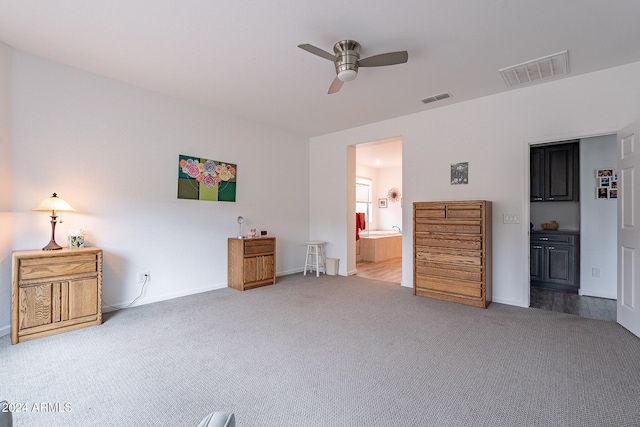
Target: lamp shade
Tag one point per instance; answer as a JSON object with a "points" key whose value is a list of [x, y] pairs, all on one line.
{"points": [[53, 204]]}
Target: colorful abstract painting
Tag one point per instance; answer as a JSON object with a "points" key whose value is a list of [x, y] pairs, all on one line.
{"points": [[204, 179]]}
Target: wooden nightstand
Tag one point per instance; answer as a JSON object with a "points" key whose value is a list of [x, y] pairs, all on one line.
{"points": [[54, 292], [252, 263]]}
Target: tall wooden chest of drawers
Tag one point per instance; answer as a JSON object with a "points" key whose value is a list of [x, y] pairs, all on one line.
{"points": [[251, 263], [54, 292], [452, 251]]}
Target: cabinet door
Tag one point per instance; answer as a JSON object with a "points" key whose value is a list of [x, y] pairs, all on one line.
{"points": [[39, 305], [559, 172], [267, 267], [559, 264], [250, 270], [82, 298], [537, 174], [536, 260], [258, 268]]}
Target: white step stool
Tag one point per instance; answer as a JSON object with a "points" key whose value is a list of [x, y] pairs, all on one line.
{"points": [[315, 258]]}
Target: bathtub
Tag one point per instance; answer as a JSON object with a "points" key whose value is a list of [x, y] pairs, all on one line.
{"points": [[375, 234], [380, 245]]}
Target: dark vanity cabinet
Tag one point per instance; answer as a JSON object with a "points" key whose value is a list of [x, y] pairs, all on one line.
{"points": [[554, 172], [555, 260]]}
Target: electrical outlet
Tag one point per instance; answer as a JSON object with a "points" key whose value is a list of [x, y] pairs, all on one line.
{"points": [[143, 275], [595, 272]]}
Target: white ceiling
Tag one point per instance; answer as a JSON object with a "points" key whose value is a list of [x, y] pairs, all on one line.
{"points": [[242, 57]]}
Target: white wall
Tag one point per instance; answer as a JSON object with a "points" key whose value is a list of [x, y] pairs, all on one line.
{"points": [[391, 215], [493, 134], [598, 231], [6, 187], [111, 150]]}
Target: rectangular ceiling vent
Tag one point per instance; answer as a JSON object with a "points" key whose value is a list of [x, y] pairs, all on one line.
{"points": [[435, 98], [536, 71]]}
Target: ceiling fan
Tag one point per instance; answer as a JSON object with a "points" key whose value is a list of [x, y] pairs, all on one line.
{"points": [[347, 60]]}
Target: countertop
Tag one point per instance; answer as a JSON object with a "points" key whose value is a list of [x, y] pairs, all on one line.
{"points": [[559, 231]]}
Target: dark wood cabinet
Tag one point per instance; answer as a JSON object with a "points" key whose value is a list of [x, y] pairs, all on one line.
{"points": [[555, 260], [554, 173]]}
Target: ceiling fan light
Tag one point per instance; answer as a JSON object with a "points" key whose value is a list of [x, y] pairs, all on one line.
{"points": [[347, 75]]}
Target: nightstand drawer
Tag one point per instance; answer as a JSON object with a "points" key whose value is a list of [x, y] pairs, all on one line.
{"points": [[259, 246], [39, 268]]}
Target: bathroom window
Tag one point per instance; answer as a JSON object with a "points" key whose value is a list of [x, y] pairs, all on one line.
{"points": [[363, 198]]}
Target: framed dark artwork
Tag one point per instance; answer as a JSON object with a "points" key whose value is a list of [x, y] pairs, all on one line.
{"points": [[459, 173]]}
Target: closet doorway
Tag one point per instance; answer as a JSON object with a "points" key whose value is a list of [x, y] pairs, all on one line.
{"points": [[573, 269]]}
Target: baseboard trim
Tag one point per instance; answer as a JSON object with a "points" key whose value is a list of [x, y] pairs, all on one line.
{"points": [[165, 297], [509, 302], [287, 272], [5, 330]]}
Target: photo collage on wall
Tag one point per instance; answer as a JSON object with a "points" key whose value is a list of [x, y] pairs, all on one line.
{"points": [[606, 184]]}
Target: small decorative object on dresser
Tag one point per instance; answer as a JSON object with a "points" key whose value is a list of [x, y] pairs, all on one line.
{"points": [[54, 292], [252, 263], [76, 238]]}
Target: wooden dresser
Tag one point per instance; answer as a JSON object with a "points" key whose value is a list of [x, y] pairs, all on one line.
{"points": [[54, 292], [251, 262], [452, 251]]}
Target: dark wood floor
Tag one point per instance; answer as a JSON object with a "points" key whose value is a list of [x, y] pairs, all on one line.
{"points": [[387, 271], [580, 305], [563, 302]]}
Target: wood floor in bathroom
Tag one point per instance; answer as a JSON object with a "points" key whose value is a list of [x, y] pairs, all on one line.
{"points": [[387, 271]]}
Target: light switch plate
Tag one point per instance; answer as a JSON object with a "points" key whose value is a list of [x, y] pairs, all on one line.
{"points": [[511, 218]]}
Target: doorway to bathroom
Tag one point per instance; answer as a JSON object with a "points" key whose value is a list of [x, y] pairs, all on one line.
{"points": [[378, 210]]}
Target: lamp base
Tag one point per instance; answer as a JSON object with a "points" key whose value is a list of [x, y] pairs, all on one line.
{"points": [[52, 246]]}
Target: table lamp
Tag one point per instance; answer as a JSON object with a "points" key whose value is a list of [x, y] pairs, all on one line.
{"points": [[53, 204]]}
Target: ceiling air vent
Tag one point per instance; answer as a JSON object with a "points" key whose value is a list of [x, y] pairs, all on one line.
{"points": [[541, 69], [435, 98]]}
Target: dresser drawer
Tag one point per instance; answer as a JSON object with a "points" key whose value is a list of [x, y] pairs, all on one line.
{"points": [[453, 227], [464, 211], [259, 246], [429, 211], [470, 273], [449, 256], [447, 241], [469, 289], [39, 268]]}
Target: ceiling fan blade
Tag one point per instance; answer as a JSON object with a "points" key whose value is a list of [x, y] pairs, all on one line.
{"points": [[336, 85], [317, 51], [390, 58]]}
